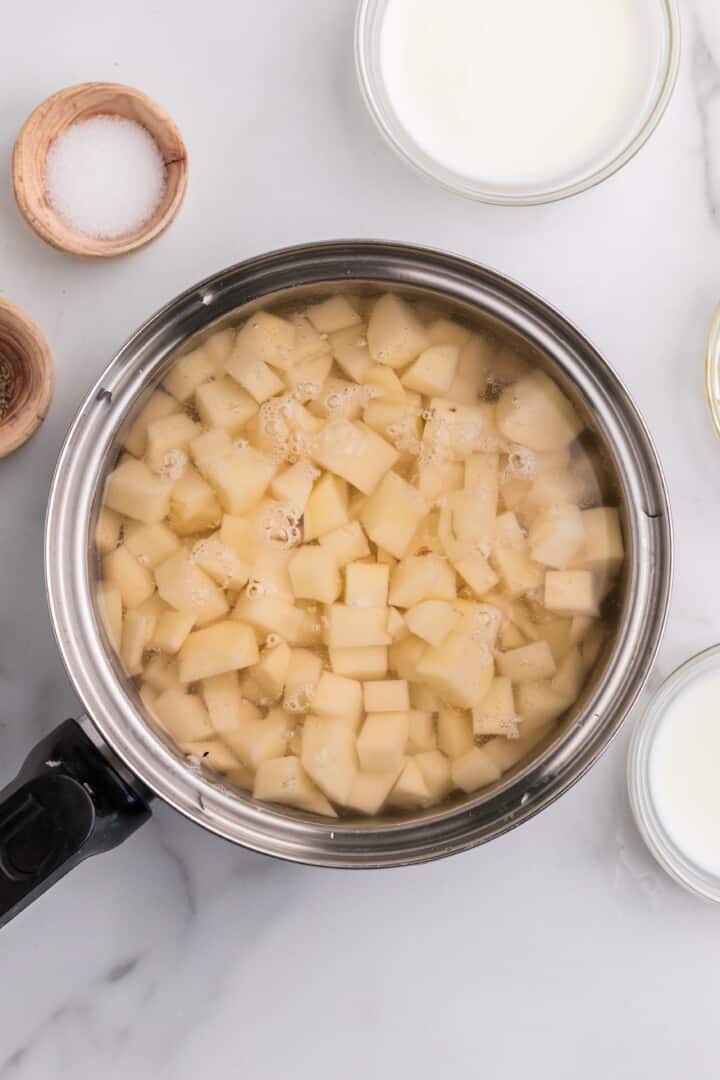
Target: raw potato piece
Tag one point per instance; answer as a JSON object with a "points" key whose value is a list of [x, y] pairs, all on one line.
{"points": [[441, 478], [477, 572], [268, 676], [474, 770], [185, 587], [193, 506], [397, 628], [603, 550], [189, 372], [133, 490], [303, 674], [537, 701], [435, 769], [182, 715], [360, 662], [454, 732], [265, 338], [109, 603], [386, 695], [338, 696], [151, 544], [158, 404], [352, 626], [556, 536], [381, 743], [326, 508], [495, 715], [134, 580], [314, 575], [225, 646], [392, 514], [421, 732], [460, 669], [349, 347], [366, 584], [529, 663], [332, 315], [165, 436], [346, 543], [259, 739], [370, 790], [411, 790], [534, 412], [354, 452], [390, 390], [328, 755], [433, 371], [421, 577], [283, 780], [294, 484], [571, 592], [220, 562], [241, 478], [107, 530], [170, 631], [270, 614], [223, 404], [213, 754], [404, 656], [569, 677], [432, 620], [395, 334]]}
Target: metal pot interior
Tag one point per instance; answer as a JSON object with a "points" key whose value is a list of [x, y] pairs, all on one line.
{"points": [[616, 439]]}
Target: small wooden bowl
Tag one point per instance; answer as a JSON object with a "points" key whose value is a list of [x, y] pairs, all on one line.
{"points": [[25, 352], [80, 103]]}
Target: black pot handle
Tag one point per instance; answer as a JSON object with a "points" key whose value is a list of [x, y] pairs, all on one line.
{"points": [[66, 803]]}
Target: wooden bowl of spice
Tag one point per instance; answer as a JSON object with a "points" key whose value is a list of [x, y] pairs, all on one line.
{"points": [[99, 169], [26, 377]]}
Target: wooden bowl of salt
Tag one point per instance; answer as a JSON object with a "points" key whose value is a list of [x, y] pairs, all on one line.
{"points": [[26, 377], [99, 169]]}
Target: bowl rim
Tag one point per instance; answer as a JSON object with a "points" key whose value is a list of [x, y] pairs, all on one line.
{"points": [[398, 139], [21, 425], [74, 496]]}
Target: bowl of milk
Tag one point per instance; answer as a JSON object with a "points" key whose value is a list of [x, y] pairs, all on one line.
{"points": [[674, 774], [515, 101]]}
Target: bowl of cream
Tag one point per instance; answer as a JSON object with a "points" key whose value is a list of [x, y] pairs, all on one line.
{"points": [[515, 101], [674, 774]]}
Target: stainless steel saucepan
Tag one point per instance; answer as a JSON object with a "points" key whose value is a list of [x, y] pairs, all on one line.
{"points": [[90, 783]]}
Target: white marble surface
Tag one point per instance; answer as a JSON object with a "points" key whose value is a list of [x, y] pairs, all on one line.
{"points": [[559, 950]]}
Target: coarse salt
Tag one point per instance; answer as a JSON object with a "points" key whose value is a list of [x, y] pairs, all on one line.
{"points": [[105, 176]]}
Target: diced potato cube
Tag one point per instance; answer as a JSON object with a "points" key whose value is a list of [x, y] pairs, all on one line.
{"points": [[109, 601], [193, 506], [314, 574], [337, 696], [399, 424], [182, 715], [148, 697], [571, 592], [353, 626], [557, 634], [481, 621], [270, 672], [213, 754], [133, 490], [538, 701], [460, 670], [354, 452], [381, 743], [421, 577], [482, 473], [446, 332], [185, 587], [592, 645], [259, 380], [435, 770], [303, 673], [397, 628], [569, 677], [161, 673], [579, 627], [170, 631], [510, 637], [404, 656], [385, 381], [294, 484], [328, 755], [158, 404], [410, 789], [346, 543], [473, 516], [433, 371], [218, 347], [311, 372], [338, 399], [150, 544], [425, 699], [456, 430], [360, 662], [223, 404], [454, 732], [534, 412], [603, 549], [506, 753], [225, 646], [241, 478], [350, 350], [517, 571], [385, 558], [191, 371], [107, 530], [386, 695], [265, 338], [495, 715], [529, 663], [421, 732], [220, 562], [262, 738], [241, 534], [395, 334], [210, 447], [326, 508], [440, 478], [476, 571], [224, 702], [270, 613], [283, 780], [556, 536], [366, 584], [475, 769], [169, 434], [135, 582], [370, 790], [392, 514], [432, 620], [332, 315]]}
